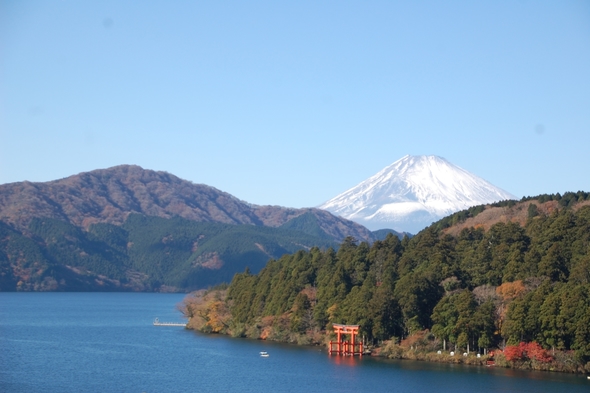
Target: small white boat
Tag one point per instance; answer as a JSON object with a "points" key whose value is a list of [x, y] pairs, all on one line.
{"points": [[264, 354]]}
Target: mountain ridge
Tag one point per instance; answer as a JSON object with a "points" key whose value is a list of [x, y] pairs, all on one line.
{"points": [[126, 228], [110, 195]]}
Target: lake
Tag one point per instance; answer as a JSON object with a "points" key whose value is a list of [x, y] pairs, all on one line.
{"points": [[98, 342]]}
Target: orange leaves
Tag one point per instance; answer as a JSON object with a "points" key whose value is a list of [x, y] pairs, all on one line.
{"points": [[266, 326], [514, 352], [510, 290], [525, 351], [218, 315], [535, 351], [207, 311]]}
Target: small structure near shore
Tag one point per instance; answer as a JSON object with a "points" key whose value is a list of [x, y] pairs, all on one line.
{"points": [[345, 348], [158, 323]]}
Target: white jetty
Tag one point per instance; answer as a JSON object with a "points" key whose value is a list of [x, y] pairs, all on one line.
{"points": [[158, 323]]}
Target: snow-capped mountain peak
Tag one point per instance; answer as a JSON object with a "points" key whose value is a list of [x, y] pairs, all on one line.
{"points": [[413, 192]]}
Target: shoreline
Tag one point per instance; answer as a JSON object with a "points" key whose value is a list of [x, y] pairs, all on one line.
{"points": [[563, 362]]}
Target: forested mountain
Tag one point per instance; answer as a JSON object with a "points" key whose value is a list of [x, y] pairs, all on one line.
{"points": [[110, 195], [126, 228], [482, 278]]}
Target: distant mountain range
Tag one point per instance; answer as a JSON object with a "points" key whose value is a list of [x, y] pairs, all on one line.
{"points": [[127, 228], [412, 193]]}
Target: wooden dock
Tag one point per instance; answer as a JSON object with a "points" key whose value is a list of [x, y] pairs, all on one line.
{"points": [[158, 323]]}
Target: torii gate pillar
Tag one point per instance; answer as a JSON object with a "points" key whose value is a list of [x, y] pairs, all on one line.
{"points": [[346, 348]]}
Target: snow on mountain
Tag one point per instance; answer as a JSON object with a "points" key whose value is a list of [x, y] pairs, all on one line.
{"points": [[412, 193]]}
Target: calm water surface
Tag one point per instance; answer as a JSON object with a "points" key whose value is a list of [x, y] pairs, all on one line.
{"points": [[99, 342]]}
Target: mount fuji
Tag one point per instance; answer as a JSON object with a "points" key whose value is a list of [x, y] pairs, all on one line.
{"points": [[412, 193]]}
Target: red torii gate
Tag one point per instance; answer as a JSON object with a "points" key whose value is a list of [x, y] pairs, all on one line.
{"points": [[346, 348]]}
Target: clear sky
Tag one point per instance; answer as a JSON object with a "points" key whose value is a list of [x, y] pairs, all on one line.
{"points": [[291, 103]]}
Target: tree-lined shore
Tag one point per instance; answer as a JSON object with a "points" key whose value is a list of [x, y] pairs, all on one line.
{"points": [[517, 286]]}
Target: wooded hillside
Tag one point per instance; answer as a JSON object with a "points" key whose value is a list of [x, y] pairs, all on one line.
{"points": [[143, 254], [127, 228], [520, 276]]}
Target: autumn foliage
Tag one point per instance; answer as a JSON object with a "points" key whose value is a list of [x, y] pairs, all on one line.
{"points": [[207, 311], [524, 351], [510, 290]]}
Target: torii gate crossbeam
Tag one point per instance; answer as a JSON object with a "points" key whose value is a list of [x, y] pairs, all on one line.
{"points": [[346, 348]]}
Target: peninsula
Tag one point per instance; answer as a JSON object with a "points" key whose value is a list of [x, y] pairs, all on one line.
{"points": [[510, 279]]}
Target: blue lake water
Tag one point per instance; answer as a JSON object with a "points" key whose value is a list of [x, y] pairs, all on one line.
{"points": [[99, 342]]}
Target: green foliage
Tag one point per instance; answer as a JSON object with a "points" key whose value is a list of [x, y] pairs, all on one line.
{"points": [[190, 254], [568, 199], [532, 211], [67, 245], [381, 234], [440, 282], [145, 253], [306, 223]]}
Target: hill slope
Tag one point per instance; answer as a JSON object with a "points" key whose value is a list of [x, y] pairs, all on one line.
{"points": [[110, 195], [81, 232], [480, 279]]}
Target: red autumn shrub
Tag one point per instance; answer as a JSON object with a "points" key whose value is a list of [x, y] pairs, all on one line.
{"points": [[526, 351], [535, 351], [513, 352]]}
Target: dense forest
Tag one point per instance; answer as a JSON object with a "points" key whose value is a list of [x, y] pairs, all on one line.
{"points": [[521, 287], [143, 254]]}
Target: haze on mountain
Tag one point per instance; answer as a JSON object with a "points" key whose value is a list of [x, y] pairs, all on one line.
{"points": [[412, 193]]}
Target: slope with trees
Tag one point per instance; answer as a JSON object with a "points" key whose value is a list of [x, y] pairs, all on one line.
{"points": [[126, 228], [143, 254], [520, 283]]}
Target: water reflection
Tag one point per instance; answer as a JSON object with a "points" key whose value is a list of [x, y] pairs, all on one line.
{"points": [[350, 361]]}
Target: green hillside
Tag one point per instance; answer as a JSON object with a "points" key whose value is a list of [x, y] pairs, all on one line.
{"points": [[487, 287], [145, 253]]}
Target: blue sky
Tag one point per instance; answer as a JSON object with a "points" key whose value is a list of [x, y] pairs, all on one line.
{"points": [[292, 103]]}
